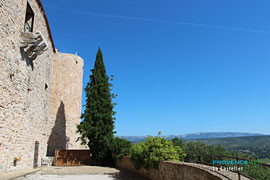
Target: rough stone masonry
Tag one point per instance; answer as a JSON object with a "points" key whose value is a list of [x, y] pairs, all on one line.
{"points": [[40, 97]]}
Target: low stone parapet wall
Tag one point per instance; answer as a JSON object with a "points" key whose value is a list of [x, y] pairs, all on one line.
{"points": [[126, 163], [169, 170], [185, 171]]}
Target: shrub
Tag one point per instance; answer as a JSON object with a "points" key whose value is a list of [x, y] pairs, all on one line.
{"points": [[149, 153], [198, 151], [120, 148], [257, 172]]}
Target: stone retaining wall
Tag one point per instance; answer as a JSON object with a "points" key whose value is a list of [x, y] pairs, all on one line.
{"points": [[184, 171], [126, 163], [176, 171]]}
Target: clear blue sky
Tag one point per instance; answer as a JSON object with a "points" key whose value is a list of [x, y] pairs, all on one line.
{"points": [[180, 66]]}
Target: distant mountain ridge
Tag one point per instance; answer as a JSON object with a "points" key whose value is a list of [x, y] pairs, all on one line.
{"points": [[258, 146], [202, 135]]}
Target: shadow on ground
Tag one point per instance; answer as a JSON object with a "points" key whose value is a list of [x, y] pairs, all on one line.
{"points": [[128, 175]]}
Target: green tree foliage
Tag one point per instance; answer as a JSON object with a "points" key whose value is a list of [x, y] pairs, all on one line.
{"points": [[120, 147], [96, 129], [149, 153], [201, 152], [260, 146], [266, 160], [197, 151], [257, 172], [178, 142]]}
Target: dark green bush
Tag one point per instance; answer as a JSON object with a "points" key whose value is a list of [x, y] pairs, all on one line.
{"points": [[120, 148], [198, 151], [257, 172]]}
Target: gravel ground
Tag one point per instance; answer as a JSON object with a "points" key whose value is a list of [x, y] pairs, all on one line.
{"points": [[82, 173], [67, 177], [73, 173]]}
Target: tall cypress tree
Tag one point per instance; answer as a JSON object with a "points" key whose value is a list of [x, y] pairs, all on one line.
{"points": [[96, 129]]}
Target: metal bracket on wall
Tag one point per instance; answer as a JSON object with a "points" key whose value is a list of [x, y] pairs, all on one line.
{"points": [[34, 44]]}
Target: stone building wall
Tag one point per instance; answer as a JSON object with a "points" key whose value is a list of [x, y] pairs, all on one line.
{"points": [[26, 87], [24, 101], [65, 104]]}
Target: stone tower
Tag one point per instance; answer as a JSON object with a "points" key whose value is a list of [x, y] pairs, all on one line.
{"points": [[65, 102]]}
